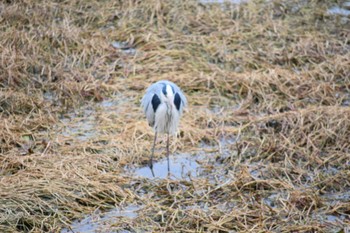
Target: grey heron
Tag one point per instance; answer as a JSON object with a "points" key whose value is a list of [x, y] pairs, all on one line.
{"points": [[163, 104]]}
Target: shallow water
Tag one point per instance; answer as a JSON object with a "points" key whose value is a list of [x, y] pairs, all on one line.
{"points": [[80, 125], [84, 123], [97, 222], [337, 197], [222, 1], [185, 166], [332, 223], [123, 46], [182, 166], [346, 100], [336, 10]]}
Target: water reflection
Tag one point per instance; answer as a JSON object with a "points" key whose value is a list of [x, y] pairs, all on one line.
{"points": [[97, 222], [182, 166]]}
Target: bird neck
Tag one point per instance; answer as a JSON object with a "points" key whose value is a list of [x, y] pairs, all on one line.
{"points": [[169, 106]]}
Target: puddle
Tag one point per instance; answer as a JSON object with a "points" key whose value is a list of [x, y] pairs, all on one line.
{"points": [[338, 197], [186, 166], [332, 223], [224, 5], [346, 5], [49, 96], [343, 10], [124, 47], [222, 1], [98, 222], [274, 200], [271, 200], [255, 172], [123, 62], [346, 101], [182, 166], [85, 123], [336, 10], [333, 218], [208, 163], [80, 125], [109, 104]]}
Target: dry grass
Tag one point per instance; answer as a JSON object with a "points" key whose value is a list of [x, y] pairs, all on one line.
{"points": [[274, 74]]}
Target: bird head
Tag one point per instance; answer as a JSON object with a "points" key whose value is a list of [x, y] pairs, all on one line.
{"points": [[168, 93]]}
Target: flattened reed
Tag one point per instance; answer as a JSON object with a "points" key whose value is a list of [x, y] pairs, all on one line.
{"points": [[274, 75]]}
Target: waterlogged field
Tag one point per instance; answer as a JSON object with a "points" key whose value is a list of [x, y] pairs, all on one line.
{"points": [[264, 145]]}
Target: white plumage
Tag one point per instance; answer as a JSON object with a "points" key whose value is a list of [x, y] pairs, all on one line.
{"points": [[164, 115], [163, 105]]}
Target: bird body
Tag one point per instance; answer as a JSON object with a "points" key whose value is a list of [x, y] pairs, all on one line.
{"points": [[163, 105]]}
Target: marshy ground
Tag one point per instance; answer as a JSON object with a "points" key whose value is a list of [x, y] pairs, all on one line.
{"points": [[264, 145]]}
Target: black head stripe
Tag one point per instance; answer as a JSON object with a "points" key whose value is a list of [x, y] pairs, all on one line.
{"points": [[164, 90], [177, 101], [155, 102]]}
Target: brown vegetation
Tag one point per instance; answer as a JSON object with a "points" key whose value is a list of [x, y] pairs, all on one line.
{"points": [[275, 75]]}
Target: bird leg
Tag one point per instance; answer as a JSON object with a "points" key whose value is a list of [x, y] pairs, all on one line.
{"points": [[151, 159], [167, 153]]}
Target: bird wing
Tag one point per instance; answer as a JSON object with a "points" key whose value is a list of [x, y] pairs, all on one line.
{"points": [[151, 101]]}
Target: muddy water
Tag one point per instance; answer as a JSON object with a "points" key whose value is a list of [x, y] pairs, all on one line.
{"points": [[83, 124], [182, 166], [222, 1], [98, 222], [80, 127], [124, 47], [339, 10]]}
